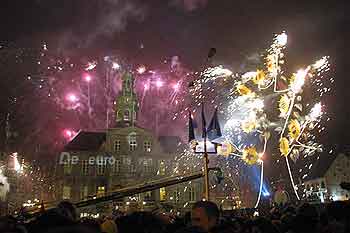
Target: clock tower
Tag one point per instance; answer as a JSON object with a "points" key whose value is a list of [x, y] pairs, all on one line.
{"points": [[126, 103]]}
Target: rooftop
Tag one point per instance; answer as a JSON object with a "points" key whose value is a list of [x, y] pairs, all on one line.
{"points": [[86, 141]]}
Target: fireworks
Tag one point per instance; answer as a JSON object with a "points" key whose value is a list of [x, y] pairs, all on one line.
{"points": [[264, 106], [253, 119], [141, 69], [80, 94], [16, 165], [4, 186], [72, 98], [87, 78], [115, 66]]}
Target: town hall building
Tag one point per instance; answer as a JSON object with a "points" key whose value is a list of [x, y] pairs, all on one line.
{"points": [[120, 157]]}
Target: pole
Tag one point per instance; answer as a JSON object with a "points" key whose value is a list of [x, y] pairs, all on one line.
{"points": [[107, 93], [89, 104], [206, 170]]}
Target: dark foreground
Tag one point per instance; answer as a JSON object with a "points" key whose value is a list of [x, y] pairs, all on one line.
{"points": [[331, 218]]}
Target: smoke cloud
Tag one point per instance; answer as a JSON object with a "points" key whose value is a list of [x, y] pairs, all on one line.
{"points": [[190, 5], [115, 14], [102, 19]]}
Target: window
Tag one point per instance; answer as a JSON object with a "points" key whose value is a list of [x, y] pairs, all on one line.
{"points": [[100, 191], [191, 194], [126, 115], [67, 168], [117, 145], [132, 141], [147, 165], [147, 146], [133, 168], [101, 168], [116, 166], [162, 194], [84, 215], [147, 196], [84, 167], [161, 167], [177, 195], [83, 192], [132, 146], [127, 161], [66, 192]]}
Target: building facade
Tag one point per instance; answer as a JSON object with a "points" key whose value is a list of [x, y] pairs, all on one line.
{"points": [[96, 163], [323, 183]]}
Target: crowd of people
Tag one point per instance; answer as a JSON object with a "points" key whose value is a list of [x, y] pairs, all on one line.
{"points": [[205, 217]]}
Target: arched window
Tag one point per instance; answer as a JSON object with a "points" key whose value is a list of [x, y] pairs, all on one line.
{"points": [[323, 185], [127, 115]]}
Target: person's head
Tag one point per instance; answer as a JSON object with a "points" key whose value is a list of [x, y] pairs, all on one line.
{"points": [[191, 229], [205, 214], [225, 227], [306, 219], [68, 210], [109, 226], [262, 225], [132, 223], [338, 216], [90, 223]]}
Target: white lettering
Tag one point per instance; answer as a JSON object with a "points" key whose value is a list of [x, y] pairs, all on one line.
{"points": [[62, 158], [99, 160], [75, 160], [91, 160]]}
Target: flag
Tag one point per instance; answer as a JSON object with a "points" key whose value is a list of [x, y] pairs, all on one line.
{"points": [[191, 126], [204, 124], [214, 130]]}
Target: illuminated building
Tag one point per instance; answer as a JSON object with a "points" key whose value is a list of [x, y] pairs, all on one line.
{"points": [[95, 163], [323, 182]]}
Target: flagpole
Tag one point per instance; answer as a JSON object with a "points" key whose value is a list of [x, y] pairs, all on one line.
{"points": [[206, 175], [205, 157]]}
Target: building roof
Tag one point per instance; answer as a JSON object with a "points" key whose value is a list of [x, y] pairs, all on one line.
{"points": [[86, 141], [170, 144], [320, 165], [92, 141]]}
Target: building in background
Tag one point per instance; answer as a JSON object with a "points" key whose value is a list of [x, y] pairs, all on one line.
{"points": [[322, 184], [95, 163]]}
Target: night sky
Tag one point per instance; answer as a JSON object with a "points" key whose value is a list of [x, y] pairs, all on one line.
{"points": [[188, 29]]}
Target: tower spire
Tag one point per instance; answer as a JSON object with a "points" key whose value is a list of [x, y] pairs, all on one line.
{"points": [[126, 103]]}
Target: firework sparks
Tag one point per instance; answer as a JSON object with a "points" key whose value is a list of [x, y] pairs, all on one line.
{"points": [[250, 121]]}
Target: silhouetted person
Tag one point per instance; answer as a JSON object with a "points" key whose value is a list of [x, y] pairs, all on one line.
{"points": [[205, 214]]}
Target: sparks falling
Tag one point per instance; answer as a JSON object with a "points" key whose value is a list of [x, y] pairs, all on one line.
{"points": [[252, 121]]}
